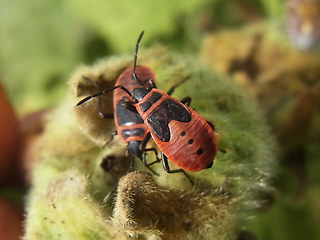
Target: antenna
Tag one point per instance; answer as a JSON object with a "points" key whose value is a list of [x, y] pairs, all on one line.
{"points": [[134, 76]]}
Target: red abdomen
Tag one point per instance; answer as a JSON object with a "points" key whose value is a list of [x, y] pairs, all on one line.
{"points": [[192, 145], [179, 132]]}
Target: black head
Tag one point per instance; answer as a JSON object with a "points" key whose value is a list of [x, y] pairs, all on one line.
{"points": [[133, 147]]}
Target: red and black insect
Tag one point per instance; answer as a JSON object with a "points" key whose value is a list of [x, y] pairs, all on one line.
{"points": [[130, 126], [181, 134]]}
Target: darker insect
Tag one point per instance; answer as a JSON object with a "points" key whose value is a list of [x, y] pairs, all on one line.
{"points": [[181, 134], [130, 126]]}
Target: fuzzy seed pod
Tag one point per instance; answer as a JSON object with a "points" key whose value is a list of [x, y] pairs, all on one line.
{"points": [[149, 206], [142, 206]]}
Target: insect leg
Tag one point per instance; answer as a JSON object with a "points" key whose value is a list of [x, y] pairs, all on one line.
{"points": [[171, 90], [106, 198], [186, 100], [155, 153], [144, 160], [101, 113], [222, 150], [211, 125], [144, 141], [143, 150], [166, 167], [114, 133]]}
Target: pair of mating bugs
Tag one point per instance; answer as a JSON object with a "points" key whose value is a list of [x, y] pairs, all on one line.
{"points": [[141, 111]]}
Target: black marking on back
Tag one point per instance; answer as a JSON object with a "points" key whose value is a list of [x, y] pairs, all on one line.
{"points": [[200, 151], [125, 116], [160, 117], [132, 132], [139, 93], [155, 96]]}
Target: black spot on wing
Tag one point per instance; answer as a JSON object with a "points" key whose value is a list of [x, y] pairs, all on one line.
{"points": [[160, 117], [199, 151]]}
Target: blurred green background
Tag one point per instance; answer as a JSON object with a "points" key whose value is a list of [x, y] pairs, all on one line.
{"points": [[42, 43]]}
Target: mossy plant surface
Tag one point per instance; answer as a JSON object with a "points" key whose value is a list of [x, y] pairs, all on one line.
{"points": [[284, 80], [69, 185], [285, 83]]}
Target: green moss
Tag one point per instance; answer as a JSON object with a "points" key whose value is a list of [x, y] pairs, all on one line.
{"points": [[234, 186], [65, 210]]}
